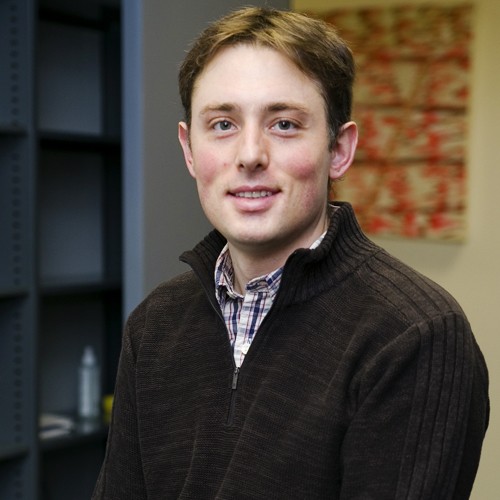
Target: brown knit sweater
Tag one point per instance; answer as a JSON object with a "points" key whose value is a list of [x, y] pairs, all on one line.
{"points": [[363, 382]]}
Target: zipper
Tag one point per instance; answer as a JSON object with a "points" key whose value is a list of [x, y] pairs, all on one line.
{"points": [[215, 307], [232, 403], [236, 373], [236, 369]]}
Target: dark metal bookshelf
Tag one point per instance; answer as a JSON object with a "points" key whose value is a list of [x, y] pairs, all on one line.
{"points": [[60, 220]]}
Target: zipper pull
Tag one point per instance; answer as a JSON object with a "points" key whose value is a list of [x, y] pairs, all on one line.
{"points": [[234, 385]]}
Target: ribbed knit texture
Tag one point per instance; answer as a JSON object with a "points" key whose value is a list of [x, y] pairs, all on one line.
{"points": [[363, 382]]}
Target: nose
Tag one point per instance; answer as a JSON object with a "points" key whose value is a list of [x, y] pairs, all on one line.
{"points": [[252, 153]]}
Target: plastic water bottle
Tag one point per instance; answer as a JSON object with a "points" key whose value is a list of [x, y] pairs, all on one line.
{"points": [[89, 392]]}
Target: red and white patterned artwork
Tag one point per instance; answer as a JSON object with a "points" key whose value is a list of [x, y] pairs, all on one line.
{"points": [[409, 178]]}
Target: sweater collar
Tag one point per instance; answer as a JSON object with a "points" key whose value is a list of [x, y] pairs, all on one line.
{"points": [[307, 272]]}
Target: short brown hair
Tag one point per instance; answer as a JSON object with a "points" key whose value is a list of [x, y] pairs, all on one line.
{"points": [[313, 45]]}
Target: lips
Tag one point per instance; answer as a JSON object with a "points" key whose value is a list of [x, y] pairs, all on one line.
{"points": [[253, 194]]}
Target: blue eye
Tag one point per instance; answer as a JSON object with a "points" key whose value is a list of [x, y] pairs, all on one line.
{"points": [[285, 125], [223, 125]]}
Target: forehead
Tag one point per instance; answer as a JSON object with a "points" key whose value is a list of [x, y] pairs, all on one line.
{"points": [[251, 73]]}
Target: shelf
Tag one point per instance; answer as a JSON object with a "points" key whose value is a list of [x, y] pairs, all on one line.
{"points": [[15, 73], [72, 199], [80, 142], [12, 130], [84, 433], [74, 15], [16, 223], [61, 243], [13, 293], [70, 79], [79, 285], [12, 452]]}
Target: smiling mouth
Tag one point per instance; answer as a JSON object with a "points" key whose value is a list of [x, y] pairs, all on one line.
{"points": [[253, 194]]}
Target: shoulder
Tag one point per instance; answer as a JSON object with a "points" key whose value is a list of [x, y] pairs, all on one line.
{"points": [[407, 321], [390, 309], [165, 301], [410, 294], [178, 288]]}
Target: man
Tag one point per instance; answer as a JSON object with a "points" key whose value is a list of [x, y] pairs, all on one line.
{"points": [[296, 359]]}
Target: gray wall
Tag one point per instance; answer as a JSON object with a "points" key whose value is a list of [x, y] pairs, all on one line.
{"points": [[162, 216]]}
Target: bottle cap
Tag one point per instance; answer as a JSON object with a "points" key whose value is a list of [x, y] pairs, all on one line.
{"points": [[88, 357]]}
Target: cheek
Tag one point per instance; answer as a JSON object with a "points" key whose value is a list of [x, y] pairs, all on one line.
{"points": [[309, 175], [308, 168], [205, 167]]}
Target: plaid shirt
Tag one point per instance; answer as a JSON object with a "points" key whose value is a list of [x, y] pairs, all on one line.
{"points": [[243, 314]]}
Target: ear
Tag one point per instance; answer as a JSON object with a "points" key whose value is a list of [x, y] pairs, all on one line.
{"points": [[183, 134], [343, 150]]}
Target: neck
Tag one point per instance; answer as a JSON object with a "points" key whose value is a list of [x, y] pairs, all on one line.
{"points": [[247, 267], [250, 263]]}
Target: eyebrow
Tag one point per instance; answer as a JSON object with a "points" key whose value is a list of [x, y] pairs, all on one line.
{"points": [[286, 106], [227, 107], [224, 107]]}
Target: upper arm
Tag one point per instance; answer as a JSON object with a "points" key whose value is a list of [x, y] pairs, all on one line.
{"points": [[420, 416]]}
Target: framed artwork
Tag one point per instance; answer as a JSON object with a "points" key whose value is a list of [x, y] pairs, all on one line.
{"points": [[409, 178]]}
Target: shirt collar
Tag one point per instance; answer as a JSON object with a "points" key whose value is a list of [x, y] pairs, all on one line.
{"points": [[224, 276]]}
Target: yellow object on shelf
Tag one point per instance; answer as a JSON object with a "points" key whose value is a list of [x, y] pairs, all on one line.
{"points": [[107, 407]]}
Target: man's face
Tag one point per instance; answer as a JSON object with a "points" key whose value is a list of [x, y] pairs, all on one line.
{"points": [[258, 149]]}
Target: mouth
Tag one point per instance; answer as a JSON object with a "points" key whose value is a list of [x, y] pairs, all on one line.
{"points": [[253, 194]]}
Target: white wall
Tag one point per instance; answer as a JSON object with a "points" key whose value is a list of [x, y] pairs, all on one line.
{"points": [[470, 270]]}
